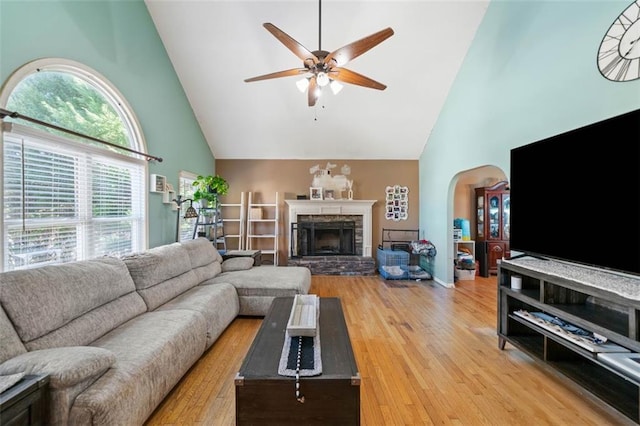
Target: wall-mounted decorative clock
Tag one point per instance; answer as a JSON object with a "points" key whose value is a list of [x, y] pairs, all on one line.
{"points": [[619, 54]]}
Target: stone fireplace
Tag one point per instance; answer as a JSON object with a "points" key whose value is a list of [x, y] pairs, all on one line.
{"points": [[331, 236]]}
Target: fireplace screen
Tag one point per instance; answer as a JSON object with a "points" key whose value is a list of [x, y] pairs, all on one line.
{"points": [[325, 238]]}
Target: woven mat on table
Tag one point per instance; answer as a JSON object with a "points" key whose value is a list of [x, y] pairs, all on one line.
{"points": [[310, 359]]}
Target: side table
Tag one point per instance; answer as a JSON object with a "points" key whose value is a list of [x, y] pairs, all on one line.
{"points": [[25, 403], [255, 254]]}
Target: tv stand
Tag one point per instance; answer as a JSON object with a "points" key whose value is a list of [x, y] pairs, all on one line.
{"points": [[521, 255], [593, 300]]}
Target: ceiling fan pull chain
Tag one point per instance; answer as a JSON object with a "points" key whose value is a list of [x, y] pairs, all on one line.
{"points": [[319, 24]]}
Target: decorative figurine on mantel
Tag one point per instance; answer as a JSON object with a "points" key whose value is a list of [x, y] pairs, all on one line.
{"points": [[350, 186], [324, 179]]}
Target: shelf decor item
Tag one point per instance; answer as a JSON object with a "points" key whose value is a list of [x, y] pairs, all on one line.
{"points": [[209, 188], [158, 183], [303, 316], [315, 193], [350, 187]]}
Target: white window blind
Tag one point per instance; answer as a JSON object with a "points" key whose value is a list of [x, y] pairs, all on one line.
{"points": [[66, 201]]}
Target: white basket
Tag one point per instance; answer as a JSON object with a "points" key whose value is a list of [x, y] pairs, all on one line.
{"points": [[304, 315]]}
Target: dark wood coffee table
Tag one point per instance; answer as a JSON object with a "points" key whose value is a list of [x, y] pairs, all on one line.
{"points": [[333, 398]]}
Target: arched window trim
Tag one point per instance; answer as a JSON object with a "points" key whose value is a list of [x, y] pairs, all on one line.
{"points": [[97, 80], [111, 94]]}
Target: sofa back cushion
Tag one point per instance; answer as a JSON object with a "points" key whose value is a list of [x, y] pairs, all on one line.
{"points": [[205, 259], [10, 343], [161, 273], [69, 304]]}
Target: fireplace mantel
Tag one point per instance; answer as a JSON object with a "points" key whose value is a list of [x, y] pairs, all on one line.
{"points": [[336, 207]]}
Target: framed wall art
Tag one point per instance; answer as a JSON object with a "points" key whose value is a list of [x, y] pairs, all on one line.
{"points": [[397, 203]]}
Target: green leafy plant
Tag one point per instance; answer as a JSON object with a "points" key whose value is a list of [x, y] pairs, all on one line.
{"points": [[209, 188]]}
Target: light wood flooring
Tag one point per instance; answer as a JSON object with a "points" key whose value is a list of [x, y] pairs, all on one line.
{"points": [[427, 355]]}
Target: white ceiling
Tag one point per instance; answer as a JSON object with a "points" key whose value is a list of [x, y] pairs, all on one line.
{"points": [[214, 45]]}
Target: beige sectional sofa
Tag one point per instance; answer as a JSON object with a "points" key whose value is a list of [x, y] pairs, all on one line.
{"points": [[117, 334]]}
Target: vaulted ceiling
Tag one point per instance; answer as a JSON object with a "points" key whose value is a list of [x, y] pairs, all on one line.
{"points": [[215, 45]]}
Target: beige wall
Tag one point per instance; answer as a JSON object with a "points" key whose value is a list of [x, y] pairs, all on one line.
{"points": [[291, 177]]}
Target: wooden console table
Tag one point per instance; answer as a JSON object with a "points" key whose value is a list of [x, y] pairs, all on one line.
{"points": [[25, 403]]}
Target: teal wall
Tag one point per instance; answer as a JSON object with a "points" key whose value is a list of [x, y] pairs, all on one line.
{"points": [[117, 39], [530, 73]]}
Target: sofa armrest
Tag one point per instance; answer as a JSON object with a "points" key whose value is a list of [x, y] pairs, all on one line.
{"points": [[66, 366]]}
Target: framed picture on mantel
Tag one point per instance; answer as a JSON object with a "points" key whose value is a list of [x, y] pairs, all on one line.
{"points": [[315, 193]]}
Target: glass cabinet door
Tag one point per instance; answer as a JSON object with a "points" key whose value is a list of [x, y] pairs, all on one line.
{"points": [[480, 216], [494, 216], [506, 210]]}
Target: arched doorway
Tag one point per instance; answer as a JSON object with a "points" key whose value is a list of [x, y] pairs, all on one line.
{"points": [[463, 198]]}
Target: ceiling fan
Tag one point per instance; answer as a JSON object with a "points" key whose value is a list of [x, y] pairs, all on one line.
{"points": [[321, 67]]}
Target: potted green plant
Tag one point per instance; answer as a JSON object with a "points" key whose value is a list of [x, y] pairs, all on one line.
{"points": [[209, 188]]}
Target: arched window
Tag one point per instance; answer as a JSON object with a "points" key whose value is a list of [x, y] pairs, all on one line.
{"points": [[65, 197]]}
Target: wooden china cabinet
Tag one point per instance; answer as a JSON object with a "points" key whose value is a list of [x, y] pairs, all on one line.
{"points": [[492, 226]]}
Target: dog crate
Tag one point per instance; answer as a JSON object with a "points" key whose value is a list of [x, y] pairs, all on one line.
{"points": [[392, 264], [388, 257], [401, 255]]}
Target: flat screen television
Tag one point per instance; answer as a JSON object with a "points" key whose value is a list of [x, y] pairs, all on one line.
{"points": [[575, 196]]}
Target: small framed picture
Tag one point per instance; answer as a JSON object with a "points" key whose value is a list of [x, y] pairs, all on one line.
{"points": [[328, 194], [315, 193]]}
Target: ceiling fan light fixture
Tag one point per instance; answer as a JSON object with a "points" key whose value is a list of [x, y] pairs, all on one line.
{"points": [[319, 65], [335, 86], [302, 84], [322, 78]]}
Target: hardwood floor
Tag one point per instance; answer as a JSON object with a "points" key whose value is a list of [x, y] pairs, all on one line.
{"points": [[427, 355]]}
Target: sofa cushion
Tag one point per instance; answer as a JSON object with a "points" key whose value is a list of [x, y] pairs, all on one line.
{"points": [[217, 303], [205, 259], [153, 351], [201, 252], [71, 304], [90, 326], [268, 280], [161, 273], [258, 286], [237, 264], [66, 366], [10, 344]]}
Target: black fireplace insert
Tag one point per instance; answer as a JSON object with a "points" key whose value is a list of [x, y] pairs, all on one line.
{"points": [[334, 238]]}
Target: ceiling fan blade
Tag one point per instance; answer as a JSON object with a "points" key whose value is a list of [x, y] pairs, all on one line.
{"points": [[299, 50], [286, 73], [312, 93], [347, 76], [352, 50]]}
